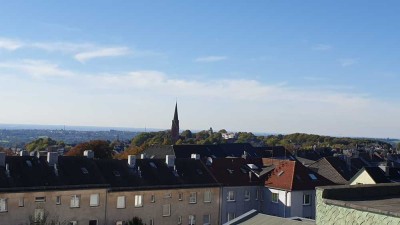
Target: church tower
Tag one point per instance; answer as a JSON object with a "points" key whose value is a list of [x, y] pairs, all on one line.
{"points": [[175, 126]]}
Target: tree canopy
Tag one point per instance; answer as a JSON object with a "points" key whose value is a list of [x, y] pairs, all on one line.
{"points": [[41, 144], [102, 149]]}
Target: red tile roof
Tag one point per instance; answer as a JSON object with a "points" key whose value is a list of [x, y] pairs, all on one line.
{"points": [[292, 176]]}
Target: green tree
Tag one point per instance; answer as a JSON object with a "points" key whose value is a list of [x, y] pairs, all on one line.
{"points": [[187, 134], [40, 144]]}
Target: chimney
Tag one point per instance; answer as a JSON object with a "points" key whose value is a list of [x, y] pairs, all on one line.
{"points": [[131, 161], [209, 161], [170, 160], [143, 156], [250, 176], [23, 153], [195, 156], [89, 154], [2, 159], [52, 158]]}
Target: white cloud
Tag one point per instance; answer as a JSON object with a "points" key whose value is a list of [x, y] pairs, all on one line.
{"points": [[10, 44], [66, 47], [104, 52], [236, 104], [348, 62], [207, 59], [322, 47]]}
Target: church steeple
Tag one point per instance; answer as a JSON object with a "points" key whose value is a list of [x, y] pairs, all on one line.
{"points": [[175, 125]]}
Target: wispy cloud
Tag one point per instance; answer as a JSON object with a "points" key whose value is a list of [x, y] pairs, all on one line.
{"points": [[104, 52], [65, 47], [348, 62], [80, 51], [10, 44], [37, 69], [322, 47], [213, 58]]}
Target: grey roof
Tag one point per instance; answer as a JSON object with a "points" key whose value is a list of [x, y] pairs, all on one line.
{"points": [[159, 151], [254, 218], [305, 161], [334, 169]]}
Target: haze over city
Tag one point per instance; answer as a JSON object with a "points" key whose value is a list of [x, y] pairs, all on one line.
{"points": [[326, 68]]}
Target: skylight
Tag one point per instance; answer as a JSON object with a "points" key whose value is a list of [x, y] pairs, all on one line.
{"points": [[312, 176], [252, 166], [116, 173], [199, 172], [84, 170], [29, 163], [280, 173]]}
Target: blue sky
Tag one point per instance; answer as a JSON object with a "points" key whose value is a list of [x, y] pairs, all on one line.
{"points": [[322, 67]]}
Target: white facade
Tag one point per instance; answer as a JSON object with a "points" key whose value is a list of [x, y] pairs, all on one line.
{"points": [[284, 203]]}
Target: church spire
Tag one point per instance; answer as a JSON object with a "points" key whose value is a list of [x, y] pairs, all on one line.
{"points": [[175, 125]]}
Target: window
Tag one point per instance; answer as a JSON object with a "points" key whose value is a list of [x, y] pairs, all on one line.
{"points": [[247, 195], [151, 222], [153, 198], [312, 176], [92, 222], [120, 223], [40, 199], [58, 200], [166, 210], [207, 196], [138, 200], [3, 205], [180, 220], [94, 200], [257, 194], [306, 199], [168, 195], [73, 223], [275, 197], [231, 196], [231, 216], [193, 197], [21, 202], [206, 219], [192, 219], [180, 196], [75, 201], [39, 216], [121, 202]]}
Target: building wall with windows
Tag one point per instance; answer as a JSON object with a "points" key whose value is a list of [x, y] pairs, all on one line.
{"points": [[169, 206], [239, 200], [284, 203], [60, 205]]}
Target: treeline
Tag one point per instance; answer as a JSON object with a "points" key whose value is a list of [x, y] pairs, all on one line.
{"points": [[299, 141]]}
